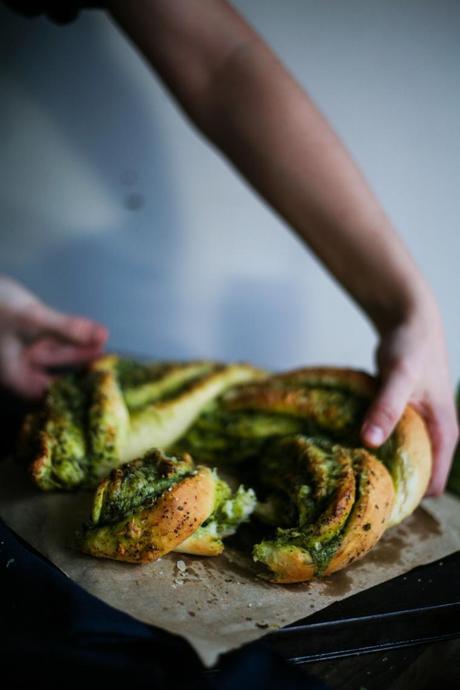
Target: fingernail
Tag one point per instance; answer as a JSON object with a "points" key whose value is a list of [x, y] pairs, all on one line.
{"points": [[373, 434]]}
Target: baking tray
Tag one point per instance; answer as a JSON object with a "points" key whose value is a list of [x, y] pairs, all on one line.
{"points": [[420, 607]]}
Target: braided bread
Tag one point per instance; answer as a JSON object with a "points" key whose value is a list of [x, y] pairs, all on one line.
{"points": [[96, 420], [322, 499]]}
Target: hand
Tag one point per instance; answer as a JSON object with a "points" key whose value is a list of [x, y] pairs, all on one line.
{"points": [[412, 363], [34, 337]]}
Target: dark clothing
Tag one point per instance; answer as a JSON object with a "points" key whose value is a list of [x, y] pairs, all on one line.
{"points": [[55, 635], [58, 11]]}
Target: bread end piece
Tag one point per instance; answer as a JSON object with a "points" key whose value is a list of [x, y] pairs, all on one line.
{"points": [[150, 533], [414, 456], [287, 564]]}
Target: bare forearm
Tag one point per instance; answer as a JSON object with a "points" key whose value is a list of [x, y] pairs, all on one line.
{"points": [[277, 138], [237, 92]]}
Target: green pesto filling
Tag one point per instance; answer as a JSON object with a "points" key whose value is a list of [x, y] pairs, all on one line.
{"points": [[66, 407], [321, 555], [230, 510], [235, 435], [186, 380], [161, 383], [321, 383], [389, 455], [337, 413], [308, 489], [107, 425], [137, 485], [132, 373], [221, 436]]}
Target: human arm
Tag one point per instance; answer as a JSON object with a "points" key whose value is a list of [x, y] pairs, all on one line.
{"points": [[235, 90], [34, 338]]}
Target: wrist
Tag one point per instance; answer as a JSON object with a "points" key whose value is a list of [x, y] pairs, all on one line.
{"points": [[416, 306]]}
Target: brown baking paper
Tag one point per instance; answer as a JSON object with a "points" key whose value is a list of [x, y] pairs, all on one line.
{"points": [[215, 603]]}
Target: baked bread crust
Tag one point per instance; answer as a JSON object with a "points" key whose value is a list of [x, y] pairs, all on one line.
{"points": [[413, 447], [410, 438], [368, 520], [148, 534], [201, 545], [386, 485], [387, 496], [370, 515]]}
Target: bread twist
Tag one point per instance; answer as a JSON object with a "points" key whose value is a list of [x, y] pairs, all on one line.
{"points": [[324, 499]]}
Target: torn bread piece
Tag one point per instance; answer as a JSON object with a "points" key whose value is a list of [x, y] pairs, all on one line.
{"points": [[159, 503], [147, 507]]}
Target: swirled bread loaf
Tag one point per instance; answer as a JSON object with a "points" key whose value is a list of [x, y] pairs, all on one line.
{"points": [[323, 498]]}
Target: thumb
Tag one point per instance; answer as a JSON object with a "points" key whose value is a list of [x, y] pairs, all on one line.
{"points": [[387, 407]]}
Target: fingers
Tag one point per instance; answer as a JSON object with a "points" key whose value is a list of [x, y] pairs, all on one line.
{"points": [[38, 319], [443, 429], [24, 370], [76, 329], [388, 406], [30, 383], [53, 353], [18, 375]]}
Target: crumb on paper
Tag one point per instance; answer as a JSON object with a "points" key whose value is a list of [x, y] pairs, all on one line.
{"points": [[181, 566]]}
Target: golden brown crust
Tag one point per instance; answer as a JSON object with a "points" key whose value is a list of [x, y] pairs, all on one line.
{"points": [[328, 410], [370, 514], [42, 459], [411, 440], [148, 534], [201, 544], [161, 423], [329, 399], [367, 522], [290, 564], [320, 394], [352, 380], [108, 421], [413, 446], [106, 362], [385, 500]]}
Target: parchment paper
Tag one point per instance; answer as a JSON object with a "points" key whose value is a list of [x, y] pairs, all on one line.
{"points": [[215, 603]]}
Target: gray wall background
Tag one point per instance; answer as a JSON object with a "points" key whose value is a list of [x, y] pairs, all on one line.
{"points": [[112, 206]]}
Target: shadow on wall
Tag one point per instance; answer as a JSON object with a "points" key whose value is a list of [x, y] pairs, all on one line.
{"points": [[125, 272]]}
